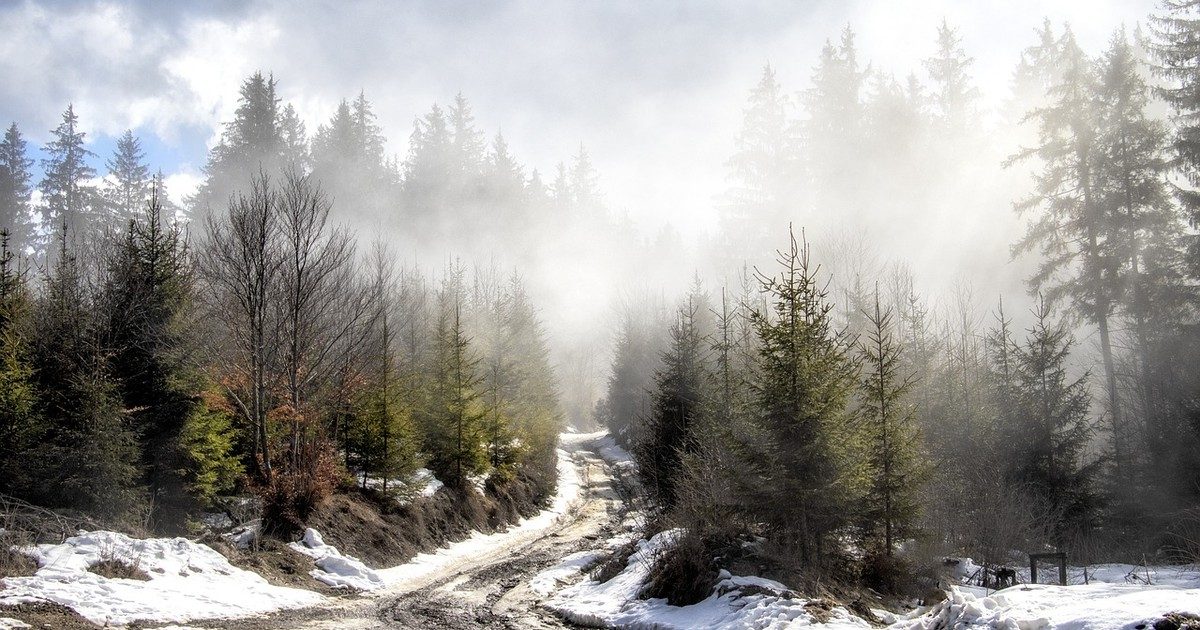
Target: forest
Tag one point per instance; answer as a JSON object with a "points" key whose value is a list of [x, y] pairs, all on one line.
{"points": [[838, 386]]}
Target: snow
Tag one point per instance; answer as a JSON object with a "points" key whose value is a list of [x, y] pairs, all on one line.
{"points": [[572, 565], [1097, 606], [187, 581], [422, 483], [737, 602], [613, 453], [7, 623], [334, 568]]}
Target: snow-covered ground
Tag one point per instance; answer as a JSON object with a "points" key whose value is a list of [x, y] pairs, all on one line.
{"points": [[1096, 606], [190, 581], [187, 581]]}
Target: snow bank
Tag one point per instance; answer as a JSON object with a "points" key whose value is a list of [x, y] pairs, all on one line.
{"points": [[741, 602], [1096, 606], [7, 623], [334, 568], [187, 581]]}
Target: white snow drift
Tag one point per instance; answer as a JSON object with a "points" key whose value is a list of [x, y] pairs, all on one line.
{"points": [[334, 568], [187, 581]]}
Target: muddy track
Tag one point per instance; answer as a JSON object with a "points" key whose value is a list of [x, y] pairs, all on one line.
{"points": [[488, 590]]}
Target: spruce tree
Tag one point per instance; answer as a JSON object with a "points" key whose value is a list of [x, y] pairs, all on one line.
{"points": [[15, 182], [1056, 426], [1072, 226], [676, 404], [894, 464], [21, 428], [251, 143], [453, 423], [1177, 49], [91, 449], [763, 170], [69, 198], [128, 184], [145, 301], [805, 451], [953, 93]]}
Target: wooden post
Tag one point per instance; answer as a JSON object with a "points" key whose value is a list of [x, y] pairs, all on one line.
{"points": [[1060, 556]]}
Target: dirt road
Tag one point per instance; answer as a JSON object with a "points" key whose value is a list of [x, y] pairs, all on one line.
{"points": [[488, 589]]}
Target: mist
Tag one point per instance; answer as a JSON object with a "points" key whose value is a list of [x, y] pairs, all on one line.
{"points": [[758, 248]]}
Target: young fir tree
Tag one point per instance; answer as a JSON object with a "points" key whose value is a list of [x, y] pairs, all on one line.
{"points": [[453, 431], [805, 451], [895, 467], [383, 436], [1055, 426], [676, 404], [15, 178], [69, 198], [129, 182], [534, 402]]}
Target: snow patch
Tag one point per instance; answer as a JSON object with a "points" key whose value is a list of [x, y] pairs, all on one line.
{"points": [[333, 567], [1095, 606], [187, 581]]}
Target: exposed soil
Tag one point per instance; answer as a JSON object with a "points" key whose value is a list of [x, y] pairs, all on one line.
{"points": [[47, 615], [381, 532], [279, 565]]}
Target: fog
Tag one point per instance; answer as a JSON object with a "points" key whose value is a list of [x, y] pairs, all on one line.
{"points": [[654, 94]]}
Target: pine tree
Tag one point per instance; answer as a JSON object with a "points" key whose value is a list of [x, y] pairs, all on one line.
{"points": [[894, 464], [805, 451], [69, 197], [15, 210], [128, 183]]}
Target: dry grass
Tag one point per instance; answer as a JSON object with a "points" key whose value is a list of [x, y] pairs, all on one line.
{"points": [[14, 563]]}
